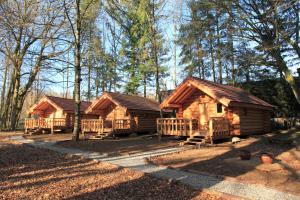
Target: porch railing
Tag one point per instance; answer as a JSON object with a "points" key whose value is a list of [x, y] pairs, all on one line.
{"points": [[100, 125], [218, 127], [122, 123], [176, 126], [46, 123], [92, 125]]}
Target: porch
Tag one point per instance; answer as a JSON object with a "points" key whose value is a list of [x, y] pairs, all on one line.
{"points": [[105, 127], [32, 125], [217, 128]]}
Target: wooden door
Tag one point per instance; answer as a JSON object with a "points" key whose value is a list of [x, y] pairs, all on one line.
{"points": [[203, 116]]}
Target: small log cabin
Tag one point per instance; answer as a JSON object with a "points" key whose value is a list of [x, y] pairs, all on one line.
{"points": [[53, 113], [121, 114], [213, 111]]}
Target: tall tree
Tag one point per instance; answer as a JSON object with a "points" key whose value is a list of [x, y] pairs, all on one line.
{"points": [[28, 32], [75, 13]]}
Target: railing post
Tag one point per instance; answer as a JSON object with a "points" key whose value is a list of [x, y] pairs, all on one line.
{"points": [[191, 127], [158, 130], [52, 126], [211, 129]]}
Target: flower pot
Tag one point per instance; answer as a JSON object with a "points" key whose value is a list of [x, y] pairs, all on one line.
{"points": [[266, 158], [245, 155]]}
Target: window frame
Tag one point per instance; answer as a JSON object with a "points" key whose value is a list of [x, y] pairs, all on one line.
{"points": [[218, 107]]}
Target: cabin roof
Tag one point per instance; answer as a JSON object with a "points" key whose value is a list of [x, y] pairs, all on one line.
{"points": [[225, 94], [64, 104], [131, 102]]}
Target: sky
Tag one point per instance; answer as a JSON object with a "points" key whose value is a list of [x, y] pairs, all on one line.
{"points": [[173, 9]]}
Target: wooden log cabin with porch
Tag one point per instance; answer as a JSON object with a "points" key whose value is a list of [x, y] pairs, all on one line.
{"points": [[207, 111], [121, 114], [52, 113]]}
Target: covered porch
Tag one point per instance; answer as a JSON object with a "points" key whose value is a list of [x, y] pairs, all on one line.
{"points": [[32, 125], [217, 127], [106, 127]]}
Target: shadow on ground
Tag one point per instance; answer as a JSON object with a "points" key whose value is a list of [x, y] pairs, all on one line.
{"points": [[223, 160], [30, 173]]}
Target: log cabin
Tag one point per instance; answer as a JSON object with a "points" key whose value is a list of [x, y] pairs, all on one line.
{"points": [[121, 114], [207, 111], [52, 113]]}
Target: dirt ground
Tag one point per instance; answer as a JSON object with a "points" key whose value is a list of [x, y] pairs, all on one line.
{"points": [[124, 145], [223, 161], [31, 173], [50, 137]]}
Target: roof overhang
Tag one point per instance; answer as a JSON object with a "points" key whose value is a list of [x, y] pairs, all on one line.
{"points": [[101, 104], [41, 105], [184, 90], [189, 85]]}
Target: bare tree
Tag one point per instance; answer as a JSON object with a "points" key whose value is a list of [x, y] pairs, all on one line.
{"points": [[28, 30], [75, 13]]}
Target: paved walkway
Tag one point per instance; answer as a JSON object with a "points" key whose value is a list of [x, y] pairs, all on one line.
{"points": [[196, 181]]}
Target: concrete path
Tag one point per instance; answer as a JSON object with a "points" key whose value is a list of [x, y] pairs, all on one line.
{"points": [[196, 181]]}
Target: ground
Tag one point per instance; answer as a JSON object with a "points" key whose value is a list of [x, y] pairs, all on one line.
{"points": [[223, 160], [120, 146], [30, 173]]}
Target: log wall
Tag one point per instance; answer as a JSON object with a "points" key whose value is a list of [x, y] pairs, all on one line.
{"points": [[144, 121], [254, 121]]}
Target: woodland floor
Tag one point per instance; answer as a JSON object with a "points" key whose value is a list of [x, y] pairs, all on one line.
{"points": [[123, 145], [30, 173], [223, 160]]}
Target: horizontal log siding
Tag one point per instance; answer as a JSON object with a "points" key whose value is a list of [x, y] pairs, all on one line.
{"points": [[254, 121], [145, 122]]}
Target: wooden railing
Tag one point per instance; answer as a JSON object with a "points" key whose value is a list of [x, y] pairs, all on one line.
{"points": [[100, 125], [176, 126], [92, 125], [31, 123], [122, 124], [218, 128]]}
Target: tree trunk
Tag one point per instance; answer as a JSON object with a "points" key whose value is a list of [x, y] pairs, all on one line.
{"points": [[231, 47], [175, 55], [212, 55], [219, 48], [15, 97], [3, 92], [89, 65], [145, 85], [77, 70]]}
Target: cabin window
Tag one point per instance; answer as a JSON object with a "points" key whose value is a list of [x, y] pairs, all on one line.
{"points": [[219, 108], [245, 112]]}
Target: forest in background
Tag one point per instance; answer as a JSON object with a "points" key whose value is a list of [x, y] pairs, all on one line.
{"points": [[84, 47]]}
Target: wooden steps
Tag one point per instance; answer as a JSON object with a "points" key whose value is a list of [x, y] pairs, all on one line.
{"points": [[198, 139], [34, 131]]}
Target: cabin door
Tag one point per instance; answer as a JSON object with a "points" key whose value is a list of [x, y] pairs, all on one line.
{"points": [[203, 116]]}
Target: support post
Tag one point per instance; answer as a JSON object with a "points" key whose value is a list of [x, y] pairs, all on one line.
{"points": [[191, 127], [211, 130], [158, 130]]}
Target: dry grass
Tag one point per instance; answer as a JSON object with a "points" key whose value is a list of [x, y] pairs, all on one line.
{"points": [[30, 173], [223, 160]]}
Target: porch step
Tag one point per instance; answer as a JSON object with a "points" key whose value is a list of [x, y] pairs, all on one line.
{"points": [[34, 131], [201, 133]]}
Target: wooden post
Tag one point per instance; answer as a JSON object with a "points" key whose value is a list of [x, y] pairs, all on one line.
{"points": [[191, 127], [211, 130], [158, 130], [52, 126]]}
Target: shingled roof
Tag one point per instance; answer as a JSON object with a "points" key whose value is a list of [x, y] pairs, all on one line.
{"points": [[131, 102], [225, 94], [67, 105]]}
